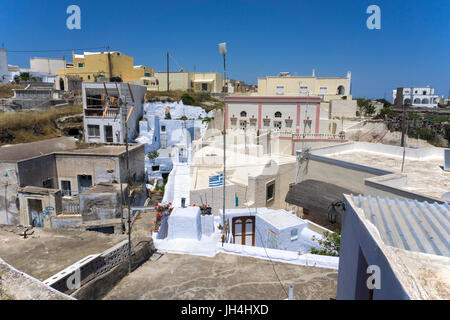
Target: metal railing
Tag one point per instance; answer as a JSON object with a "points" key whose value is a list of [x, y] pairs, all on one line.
{"points": [[69, 208]]}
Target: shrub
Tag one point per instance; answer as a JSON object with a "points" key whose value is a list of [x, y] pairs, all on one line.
{"points": [[387, 111], [153, 155], [187, 99], [330, 245]]}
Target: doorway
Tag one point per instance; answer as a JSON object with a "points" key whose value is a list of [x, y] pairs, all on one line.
{"points": [[109, 134], [244, 230], [36, 212], [84, 182]]}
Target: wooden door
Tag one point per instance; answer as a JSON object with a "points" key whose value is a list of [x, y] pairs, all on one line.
{"points": [[244, 230]]}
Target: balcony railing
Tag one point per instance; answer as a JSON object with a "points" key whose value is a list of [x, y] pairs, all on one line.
{"points": [[110, 113], [70, 208]]}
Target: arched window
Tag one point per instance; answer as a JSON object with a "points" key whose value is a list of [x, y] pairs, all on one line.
{"points": [[341, 90], [278, 114], [417, 101], [243, 114], [407, 102], [425, 101]]}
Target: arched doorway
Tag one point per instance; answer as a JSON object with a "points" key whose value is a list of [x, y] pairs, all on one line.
{"points": [[341, 90]]}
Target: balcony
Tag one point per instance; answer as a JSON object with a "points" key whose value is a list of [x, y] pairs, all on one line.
{"points": [[98, 112]]}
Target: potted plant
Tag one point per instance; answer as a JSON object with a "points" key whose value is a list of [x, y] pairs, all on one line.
{"points": [[205, 209], [161, 212]]}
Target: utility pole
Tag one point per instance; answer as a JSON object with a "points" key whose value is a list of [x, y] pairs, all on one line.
{"points": [[403, 126], [124, 109], [223, 51], [167, 71], [109, 63]]}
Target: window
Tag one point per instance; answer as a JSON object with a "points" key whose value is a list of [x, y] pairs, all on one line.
{"points": [[280, 90], [294, 234], [118, 54], [66, 188], [272, 240], [270, 191], [93, 130], [80, 65], [424, 92], [48, 184], [163, 128], [277, 124], [243, 114], [155, 168], [147, 74], [89, 77], [266, 122], [323, 91], [278, 114], [303, 90], [425, 101]]}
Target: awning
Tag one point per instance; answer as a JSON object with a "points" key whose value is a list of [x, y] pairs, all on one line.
{"points": [[316, 196]]}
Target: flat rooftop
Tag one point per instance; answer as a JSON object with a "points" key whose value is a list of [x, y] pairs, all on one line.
{"points": [[48, 251], [23, 151], [225, 276], [424, 176], [113, 150], [239, 166]]}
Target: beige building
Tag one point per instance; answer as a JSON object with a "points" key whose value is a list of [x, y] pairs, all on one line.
{"points": [[328, 88], [197, 81]]}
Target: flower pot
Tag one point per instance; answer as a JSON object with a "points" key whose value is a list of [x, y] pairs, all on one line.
{"points": [[207, 211]]}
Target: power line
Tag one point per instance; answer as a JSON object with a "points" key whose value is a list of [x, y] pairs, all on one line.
{"points": [[55, 50]]}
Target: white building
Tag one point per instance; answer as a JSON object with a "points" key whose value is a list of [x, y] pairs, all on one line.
{"points": [[47, 66], [109, 126], [415, 97], [5, 74]]}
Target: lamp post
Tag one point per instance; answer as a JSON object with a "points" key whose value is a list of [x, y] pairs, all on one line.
{"points": [[223, 52]]}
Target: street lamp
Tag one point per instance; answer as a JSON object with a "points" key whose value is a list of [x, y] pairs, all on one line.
{"points": [[223, 52]]}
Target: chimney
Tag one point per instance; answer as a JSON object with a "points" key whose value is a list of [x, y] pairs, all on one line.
{"points": [[349, 74], [314, 72]]}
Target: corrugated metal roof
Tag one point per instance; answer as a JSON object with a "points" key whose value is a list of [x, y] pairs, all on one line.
{"points": [[410, 225]]}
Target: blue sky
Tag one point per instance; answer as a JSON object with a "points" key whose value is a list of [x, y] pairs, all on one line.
{"points": [[263, 37]]}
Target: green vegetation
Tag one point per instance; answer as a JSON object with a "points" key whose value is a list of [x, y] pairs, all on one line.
{"points": [[24, 77], [386, 104], [330, 245], [23, 126], [422, 133], [365, 107], [153, 155], [387, 111], [414, 116]]}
